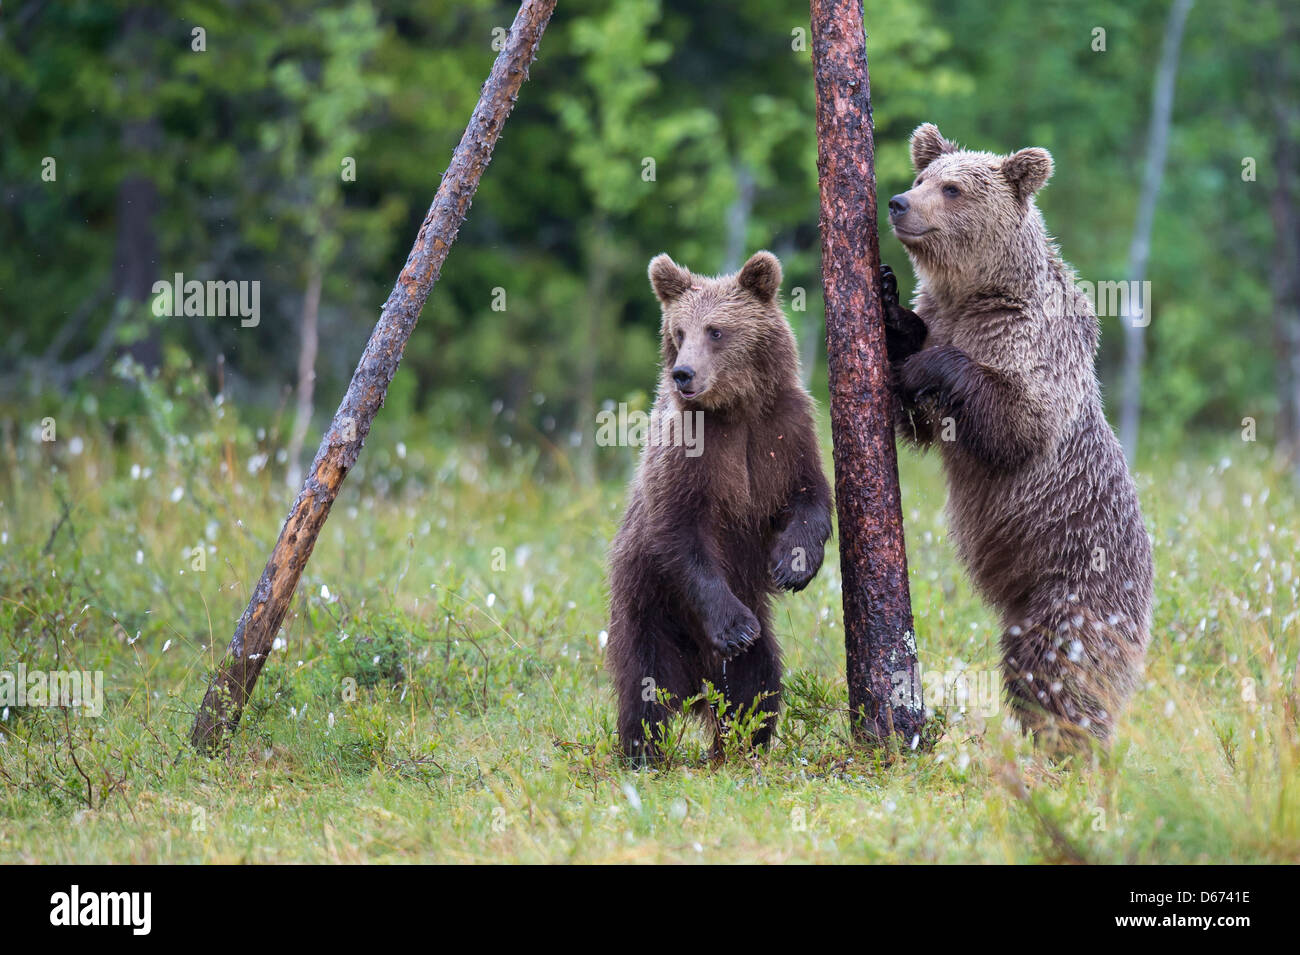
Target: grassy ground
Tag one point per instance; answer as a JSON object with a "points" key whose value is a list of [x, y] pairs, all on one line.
{"points": [[466, 600]]}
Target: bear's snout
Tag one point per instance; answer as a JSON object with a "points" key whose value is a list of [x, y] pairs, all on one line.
{"points": [[898, 205], [684, 375]]}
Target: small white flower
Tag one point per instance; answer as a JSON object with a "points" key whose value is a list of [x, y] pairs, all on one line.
{"points": [[324, 592], [491, 599], [633, 798], [166, 646], [602, 639]]}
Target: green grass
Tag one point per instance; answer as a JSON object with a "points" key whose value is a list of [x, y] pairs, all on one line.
{"points": [[465, 597]]}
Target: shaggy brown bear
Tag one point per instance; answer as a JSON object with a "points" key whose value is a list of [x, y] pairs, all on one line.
{"points": [[711, 532], [996, 366]]}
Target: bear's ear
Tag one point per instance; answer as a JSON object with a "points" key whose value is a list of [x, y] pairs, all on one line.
{"points": [[928, 145], [667, 278], [761, 276], [1027, 171]]}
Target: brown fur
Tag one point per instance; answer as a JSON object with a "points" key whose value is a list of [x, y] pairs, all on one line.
{"points": [[1041, 505], [706, 540]]}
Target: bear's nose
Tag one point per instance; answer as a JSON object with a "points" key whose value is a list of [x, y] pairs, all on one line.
{"points": [[683, 374], [898, 205]]}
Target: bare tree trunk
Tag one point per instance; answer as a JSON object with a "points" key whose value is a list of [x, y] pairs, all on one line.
{"points": [[738, 215], [135, 258], [883, 678], [235, 677], [1284, 279], [308, 341], [596, 319], [1162, 107]]}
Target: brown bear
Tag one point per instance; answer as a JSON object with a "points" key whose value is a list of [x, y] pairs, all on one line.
{"points": [[711, 532], [995, 366]]}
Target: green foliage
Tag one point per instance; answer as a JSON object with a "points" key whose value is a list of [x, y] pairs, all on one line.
{"points": [[438, 690], [646, 125]]}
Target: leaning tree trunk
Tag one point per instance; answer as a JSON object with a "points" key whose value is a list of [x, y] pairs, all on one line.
{"points": [[884, 681], [1162, 107], [238, 672]]}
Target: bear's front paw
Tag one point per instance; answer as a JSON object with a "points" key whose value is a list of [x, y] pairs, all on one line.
{"points": [[795, 562], [888, 286], [735, 632], [931, 373], [905, 331]]}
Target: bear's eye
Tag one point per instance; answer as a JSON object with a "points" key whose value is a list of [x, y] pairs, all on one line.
{"points": [[951, 191], [715, 333], [679, 335]]}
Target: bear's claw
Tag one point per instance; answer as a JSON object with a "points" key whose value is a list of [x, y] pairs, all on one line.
{"points": [[736, 636], [784, 573], [888, 286]]}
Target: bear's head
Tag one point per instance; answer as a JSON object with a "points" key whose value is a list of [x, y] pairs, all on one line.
{"points": [[724, 341], [967, 211]]}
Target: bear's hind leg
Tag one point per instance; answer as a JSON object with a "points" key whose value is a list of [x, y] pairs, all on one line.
{"points": [[751, 683], [653, 670], [1067, 674]]}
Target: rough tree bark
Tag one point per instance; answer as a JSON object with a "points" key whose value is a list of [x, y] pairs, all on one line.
{"points": [[1162, 107], [884, 680], [238, 672]]}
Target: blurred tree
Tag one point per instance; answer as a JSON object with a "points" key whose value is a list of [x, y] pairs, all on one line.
{"points": [[619, 133], [1135, 307], [217, 154]]}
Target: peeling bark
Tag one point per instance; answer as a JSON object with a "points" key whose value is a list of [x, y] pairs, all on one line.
{"points": [[237, 673], [883, 677]]}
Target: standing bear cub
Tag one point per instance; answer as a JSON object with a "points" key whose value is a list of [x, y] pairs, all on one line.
{"points": [[714, 527], [996, 366]]}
